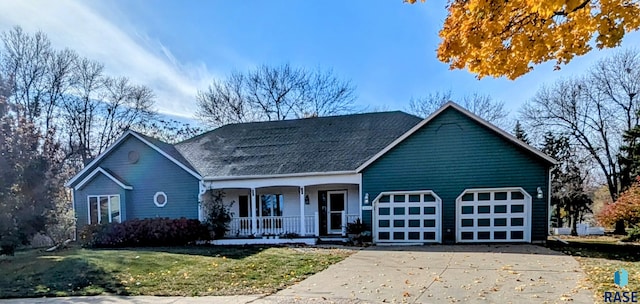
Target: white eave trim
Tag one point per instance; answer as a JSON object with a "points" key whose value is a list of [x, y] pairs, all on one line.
{"points": [[304, 174], [117, 143], [100, 170], [468, 114]]}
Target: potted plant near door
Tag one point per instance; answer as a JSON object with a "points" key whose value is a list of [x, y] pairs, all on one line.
{"points": [[354, 230]]}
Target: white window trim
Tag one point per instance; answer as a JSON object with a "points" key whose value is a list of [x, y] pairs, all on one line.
{"points": [[100, 170], [98, 209], [259, 209], [527, 202], [155, 199]]}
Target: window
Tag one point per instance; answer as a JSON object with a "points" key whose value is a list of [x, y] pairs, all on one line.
{"points": [[243, 205], [467, 209], [160, 199], [271, 205], [104, 209]]}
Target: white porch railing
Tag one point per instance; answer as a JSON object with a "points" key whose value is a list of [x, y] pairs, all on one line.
{"points": [[280, 225], [271, 225], [351, 218], [310, 224]]}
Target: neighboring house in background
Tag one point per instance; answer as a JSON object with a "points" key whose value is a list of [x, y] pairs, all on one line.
{"points": [[451, 177]]}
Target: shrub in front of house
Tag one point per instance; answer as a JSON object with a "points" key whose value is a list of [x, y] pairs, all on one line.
{"points": [[144, 232]]}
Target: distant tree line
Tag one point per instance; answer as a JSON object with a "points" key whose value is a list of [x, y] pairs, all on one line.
{"points": [[590, 124]]}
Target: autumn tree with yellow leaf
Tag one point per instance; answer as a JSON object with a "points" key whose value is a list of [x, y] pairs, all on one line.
{"points": [[506, 38]]}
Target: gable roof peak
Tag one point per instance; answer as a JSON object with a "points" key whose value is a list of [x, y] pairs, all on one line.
{"points": [[472, 116]]}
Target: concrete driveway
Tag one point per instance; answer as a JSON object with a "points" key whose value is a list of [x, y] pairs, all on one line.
{"points": [[445, 274], [417, 274]]}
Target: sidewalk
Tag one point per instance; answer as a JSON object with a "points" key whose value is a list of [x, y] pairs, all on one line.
{"points": [[136, 300]]}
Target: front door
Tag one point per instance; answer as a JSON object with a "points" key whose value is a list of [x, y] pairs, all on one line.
{"points": [[336, 202]]}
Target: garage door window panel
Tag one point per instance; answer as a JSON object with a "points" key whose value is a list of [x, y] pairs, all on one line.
{"points": [[500, 209], [484, 235], [500, 196], [429, 210], [485, 222], [499, 235], [484, 209], [484, 196], [429, 235], [517, 235]]}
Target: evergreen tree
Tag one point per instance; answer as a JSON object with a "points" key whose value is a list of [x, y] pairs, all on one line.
{"points": [[520, 134], [629, 158], [567, 182]]}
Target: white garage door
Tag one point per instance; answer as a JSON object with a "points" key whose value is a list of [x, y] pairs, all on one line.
{"points": [[407, 217], [493, 215]]}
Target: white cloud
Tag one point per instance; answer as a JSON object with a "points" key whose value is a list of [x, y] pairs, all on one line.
{"points": [[74, 25]]}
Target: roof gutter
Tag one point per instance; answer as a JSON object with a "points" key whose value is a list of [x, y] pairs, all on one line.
{"points": [[245, 177]]}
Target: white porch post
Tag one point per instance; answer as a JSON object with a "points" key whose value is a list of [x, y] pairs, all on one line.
{"points": [[254, 215], [316, 223], [302, 221], [201, 191], [344, 222]]}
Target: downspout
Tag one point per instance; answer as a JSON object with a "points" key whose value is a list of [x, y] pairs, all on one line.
{"points": [[75, 217], [549, 230]]}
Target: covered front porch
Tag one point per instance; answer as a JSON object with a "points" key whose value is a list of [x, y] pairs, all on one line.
{"points": [[289, 208]]}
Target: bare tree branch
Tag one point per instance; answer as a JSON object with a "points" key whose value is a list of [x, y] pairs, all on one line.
{"points": [[274, 93]]}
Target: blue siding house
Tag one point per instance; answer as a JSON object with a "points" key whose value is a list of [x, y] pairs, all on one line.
{"points": [[449, 178]]}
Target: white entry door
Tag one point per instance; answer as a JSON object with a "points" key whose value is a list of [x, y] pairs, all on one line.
{"points": [[336, 201]]}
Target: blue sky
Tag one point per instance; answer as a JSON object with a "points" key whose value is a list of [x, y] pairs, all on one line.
{"points": [[385, 47]]}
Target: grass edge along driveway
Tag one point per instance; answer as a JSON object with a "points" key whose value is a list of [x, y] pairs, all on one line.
{"points": [[600, 258], [179, 271]]}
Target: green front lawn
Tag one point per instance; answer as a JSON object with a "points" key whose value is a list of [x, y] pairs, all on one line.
{"points": [[182, 271], [599, 258]]}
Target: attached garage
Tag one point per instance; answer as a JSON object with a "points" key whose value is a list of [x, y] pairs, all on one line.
{"points": [[493, 215], [408, 217], [487, 185]]}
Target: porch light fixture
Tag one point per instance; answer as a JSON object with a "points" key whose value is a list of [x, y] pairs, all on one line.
{"points": [[366, 199], [306, 199], [540, 195]]}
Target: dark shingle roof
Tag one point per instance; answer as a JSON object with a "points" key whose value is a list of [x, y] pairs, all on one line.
{"points": [[167, 148], [322, 144]]}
